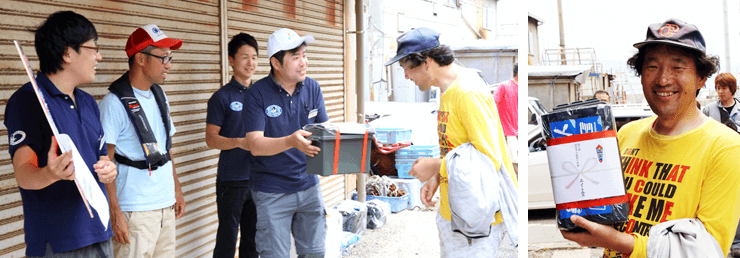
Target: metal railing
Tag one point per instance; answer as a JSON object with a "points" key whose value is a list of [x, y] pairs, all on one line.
{"points": [[571, 56]]}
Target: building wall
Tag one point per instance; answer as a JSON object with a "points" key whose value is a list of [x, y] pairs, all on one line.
{"points": [[497, 65], [562, 93], [196, 73], [592, 84], [533, 46], [399, 17]]}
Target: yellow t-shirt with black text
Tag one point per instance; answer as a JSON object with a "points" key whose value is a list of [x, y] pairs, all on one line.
{"points": [[467, 113], [692, 175]]}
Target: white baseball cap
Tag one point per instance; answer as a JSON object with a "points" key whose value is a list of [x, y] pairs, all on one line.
{"points": [[285, 39]]}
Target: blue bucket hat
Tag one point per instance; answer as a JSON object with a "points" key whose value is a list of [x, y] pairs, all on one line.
{"points": [[415, 41]]}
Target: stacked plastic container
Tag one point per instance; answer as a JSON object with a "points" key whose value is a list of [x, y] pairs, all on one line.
{"points": [[392, 135], [397, 203], [412, 187], [405, 157]]}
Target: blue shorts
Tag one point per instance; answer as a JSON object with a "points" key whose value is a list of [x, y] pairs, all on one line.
{"points": [[278, 214]]}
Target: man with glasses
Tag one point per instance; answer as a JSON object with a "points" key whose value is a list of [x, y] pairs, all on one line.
{"points": [[56, 221], [146, 198]]}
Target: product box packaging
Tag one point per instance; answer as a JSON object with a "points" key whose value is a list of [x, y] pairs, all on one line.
{"points": [[585, 165]]}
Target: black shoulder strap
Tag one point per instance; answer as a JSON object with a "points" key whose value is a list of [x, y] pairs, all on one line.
{"points": [[122, 89], [724, 118]]}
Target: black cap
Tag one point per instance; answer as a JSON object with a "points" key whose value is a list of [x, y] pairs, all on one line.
{"points": [[415, 41], [674, 32]]}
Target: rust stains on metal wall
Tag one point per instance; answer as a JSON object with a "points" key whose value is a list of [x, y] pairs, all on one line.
{"points": [[249, 5], [195, 75], [331, 12], [289, 7]]}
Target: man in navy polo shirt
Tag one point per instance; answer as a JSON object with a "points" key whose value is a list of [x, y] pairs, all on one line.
{"points": [[278, 106], [56, 221], [225, 131]]}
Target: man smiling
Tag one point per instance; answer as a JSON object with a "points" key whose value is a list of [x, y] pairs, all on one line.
{"points": [[56, 221], [225, 131], [705, 181], [288, 200], [146, 198]]}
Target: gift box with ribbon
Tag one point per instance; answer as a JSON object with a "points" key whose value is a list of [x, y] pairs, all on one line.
{"points": [[585, 165]]}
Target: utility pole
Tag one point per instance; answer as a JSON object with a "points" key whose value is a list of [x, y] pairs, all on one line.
{"points": [[727, 39], [562, 33]]}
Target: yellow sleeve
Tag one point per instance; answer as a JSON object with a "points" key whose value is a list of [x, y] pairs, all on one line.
{"points": [[640, 248], [720, 195], [482, 124]]}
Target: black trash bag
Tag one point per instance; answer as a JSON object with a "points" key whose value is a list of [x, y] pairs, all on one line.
{"points": [[377, 212]]}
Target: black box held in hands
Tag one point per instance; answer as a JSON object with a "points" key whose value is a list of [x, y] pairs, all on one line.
{"points": [[345, 148]]}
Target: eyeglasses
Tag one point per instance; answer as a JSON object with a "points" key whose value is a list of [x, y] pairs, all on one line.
{"points": [[165, 59], [97, 49]]}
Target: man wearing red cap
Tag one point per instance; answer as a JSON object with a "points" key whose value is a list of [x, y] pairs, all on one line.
{"points": [[146, 198]]}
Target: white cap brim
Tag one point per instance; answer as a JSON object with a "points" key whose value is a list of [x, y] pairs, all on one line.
{"points": [[294, 44]]}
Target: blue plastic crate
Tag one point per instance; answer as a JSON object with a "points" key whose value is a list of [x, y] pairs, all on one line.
{"points": [[403, 166], [392, 135], [397, 203], [418, 151]]}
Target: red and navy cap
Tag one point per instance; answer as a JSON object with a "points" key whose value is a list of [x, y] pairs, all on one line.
{"points": [[149, 35], [674, 32]]}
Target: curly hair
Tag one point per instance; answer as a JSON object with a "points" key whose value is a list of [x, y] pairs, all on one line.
{"points": [[705, 65], [441, 54]]}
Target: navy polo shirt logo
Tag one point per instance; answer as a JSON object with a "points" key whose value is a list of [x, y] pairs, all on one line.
{"points": [[274, 111], [236, 106], [16, 140]]}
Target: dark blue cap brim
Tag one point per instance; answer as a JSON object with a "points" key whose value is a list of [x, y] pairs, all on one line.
{"points": [[394, 59], [667, 42]]}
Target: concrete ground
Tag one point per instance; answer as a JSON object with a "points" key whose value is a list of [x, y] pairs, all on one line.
{"points": [[410, 234], [545, 239]]}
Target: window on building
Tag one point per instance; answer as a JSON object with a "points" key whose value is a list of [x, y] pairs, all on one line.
{"points": [[489, 18], [531, 43]]}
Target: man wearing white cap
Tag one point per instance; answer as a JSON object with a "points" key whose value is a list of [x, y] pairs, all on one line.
{"points": [[278, 106], [146, 198]]}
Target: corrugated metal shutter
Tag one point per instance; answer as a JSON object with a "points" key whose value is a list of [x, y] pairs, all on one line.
{"points": [[195, 75]]}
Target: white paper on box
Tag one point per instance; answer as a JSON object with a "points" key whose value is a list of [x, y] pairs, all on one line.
{"points": [[585, 170]]}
